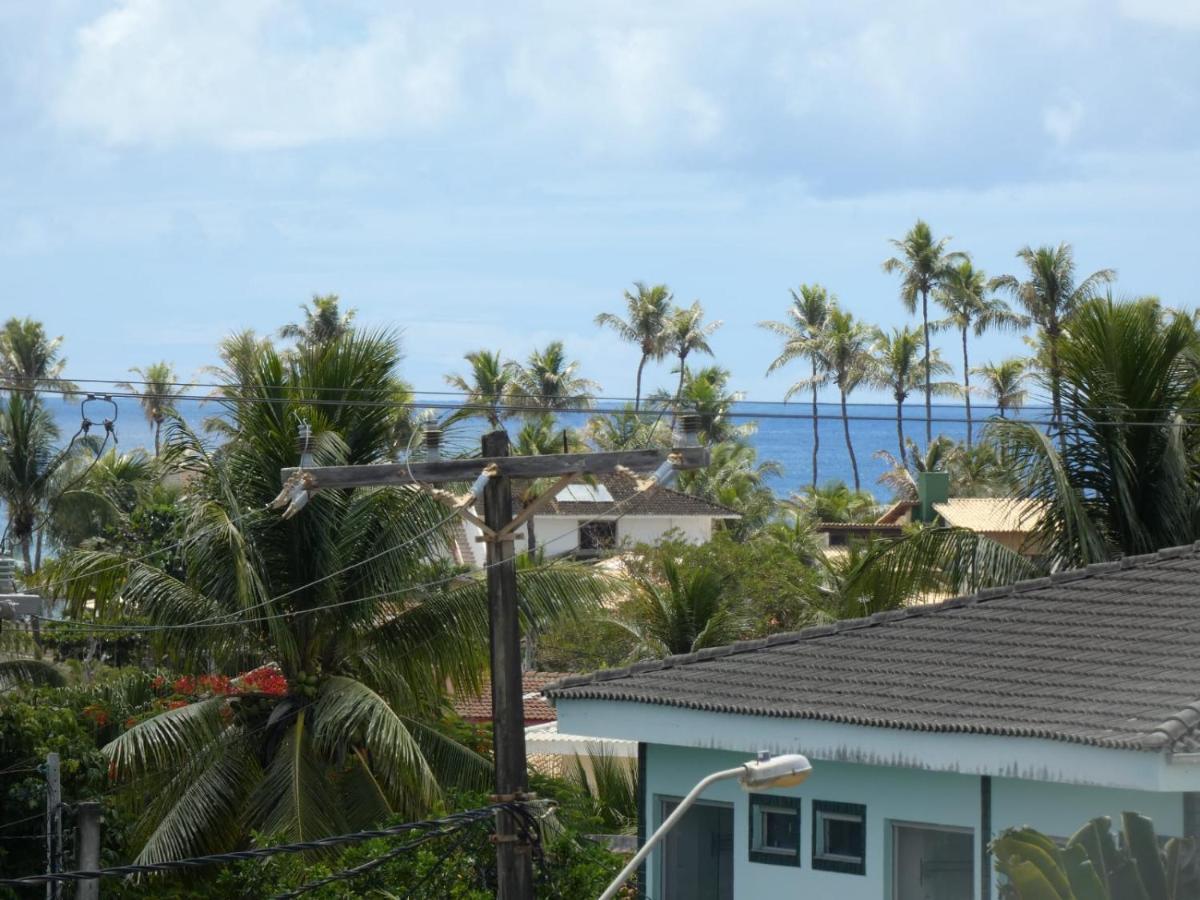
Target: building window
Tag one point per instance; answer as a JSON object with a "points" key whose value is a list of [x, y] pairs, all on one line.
{"points": [[775, 830], [838, 539], [597, 536], [840, 837]]}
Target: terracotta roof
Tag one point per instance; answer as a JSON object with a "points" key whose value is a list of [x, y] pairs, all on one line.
{"points": [[1104, 656], [989, 514], [657, 501], [894, 514], [478, 708]]}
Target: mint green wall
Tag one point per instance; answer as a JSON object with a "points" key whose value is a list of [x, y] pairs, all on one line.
{"points": [[890, 794]]}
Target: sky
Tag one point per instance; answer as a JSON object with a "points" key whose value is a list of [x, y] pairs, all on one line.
{"points": [[494, 175]]}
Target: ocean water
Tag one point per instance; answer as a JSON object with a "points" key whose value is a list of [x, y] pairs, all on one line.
{"points": [[784, 433]]}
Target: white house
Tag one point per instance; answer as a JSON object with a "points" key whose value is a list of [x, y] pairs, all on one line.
{"points": [[930, 729], [588, 519]]}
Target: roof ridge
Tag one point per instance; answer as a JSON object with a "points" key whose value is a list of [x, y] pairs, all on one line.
{"points": [[1169, 729]]}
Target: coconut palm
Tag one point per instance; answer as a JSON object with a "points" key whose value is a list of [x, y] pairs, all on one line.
{"points": [[845, 355], [486, 387], [29, 359], [1004, 383], [965, 296], [648, 312], [157, 388], [550, 381], [323, 321], [688, 333], [27, 461], [834, 502], [902, 474], [923, 264], [676, 611], [624, 429], [706, 394], [801, 340], [735, 478], [1051, 295], [1124, 482], [895, 366], [347, 603]]}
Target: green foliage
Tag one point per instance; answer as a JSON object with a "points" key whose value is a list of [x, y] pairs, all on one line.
{"points": [[1093, 866], [835, 501]]}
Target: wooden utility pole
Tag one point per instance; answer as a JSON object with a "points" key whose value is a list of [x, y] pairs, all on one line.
{"points": [[494, 472], [54, 845]]}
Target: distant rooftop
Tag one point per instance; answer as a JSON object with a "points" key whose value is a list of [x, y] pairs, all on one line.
{"points": [[990, 514], [622, 488]]}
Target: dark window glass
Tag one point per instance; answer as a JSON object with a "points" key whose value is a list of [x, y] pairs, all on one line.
{"points": [[840, 837], [775, 829], [598, 536]]}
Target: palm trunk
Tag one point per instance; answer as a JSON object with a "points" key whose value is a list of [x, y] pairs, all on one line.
{"points": [[37, 553], [678, 390], [967, 385], [928, 385], [25, 555], [900, 430], [157, 430], [1055, 388], [849, 443], [637, 394], [816, 426]]}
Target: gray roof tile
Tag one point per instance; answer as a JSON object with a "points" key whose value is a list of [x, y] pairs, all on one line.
{"points": [[656, 501], [1103, 656]]}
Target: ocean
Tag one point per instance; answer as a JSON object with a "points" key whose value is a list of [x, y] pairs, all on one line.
{"points": [[784, 433]]}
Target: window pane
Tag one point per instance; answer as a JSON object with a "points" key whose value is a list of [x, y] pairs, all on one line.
{"points": [[780, 830], [842, 837], [839, 837]]}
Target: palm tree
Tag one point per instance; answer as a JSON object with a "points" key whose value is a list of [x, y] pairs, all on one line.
{"points": [[1125, 482], [1004, 382], [802, 339], [834, 502], [30, 359], [549, 381], [156, 390], [964, 295], [923, 264], [323, 321], [706, 394], [27, 460], [1050, 295], [895, 366], [902, 474], [647, 314], [735, 478], [344, 604], [688, 333], [677, 611], [845, 355], [487, 386], [624, 428]]}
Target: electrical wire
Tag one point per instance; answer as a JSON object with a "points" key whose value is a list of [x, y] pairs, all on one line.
{"points": [[453, 821]]}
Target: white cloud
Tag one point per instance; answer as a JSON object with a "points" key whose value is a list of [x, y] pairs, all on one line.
{"points": [[1172, 13], [251, 73], [1062, 120]]}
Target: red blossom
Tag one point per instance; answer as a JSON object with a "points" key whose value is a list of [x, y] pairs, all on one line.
{"points": [[176, 704], [98, 714], [264, 680], [130, 722], [158, 683], [185, 685], [216, 684]]}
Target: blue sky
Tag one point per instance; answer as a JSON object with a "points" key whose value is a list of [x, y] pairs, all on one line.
{"points": [[496, 174]]}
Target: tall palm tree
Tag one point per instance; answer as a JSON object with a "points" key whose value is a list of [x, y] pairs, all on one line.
{"points": [[801, 340], [344, 603], [895, 366], [323, 321], [27, 461], [157, 389], [833, 501], [705, 392], [845, 355], [647, 313], [486, 387], [922, 263], [623, 429], [677, 611], [1051, 295], [1125, 483], [688, 333], [550, 381], [966, 298], [1004, 382], [30, 359]]}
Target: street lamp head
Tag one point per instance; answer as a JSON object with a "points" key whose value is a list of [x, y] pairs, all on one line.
{"points": [[769, 771]]}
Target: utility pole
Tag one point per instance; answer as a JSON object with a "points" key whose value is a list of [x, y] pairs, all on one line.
{"points": [[54, 846], [87, 848], [491, 477]]}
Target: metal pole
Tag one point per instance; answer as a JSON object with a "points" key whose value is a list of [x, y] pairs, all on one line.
{"points": [[514, 864], [53, 825], [87, 847]]}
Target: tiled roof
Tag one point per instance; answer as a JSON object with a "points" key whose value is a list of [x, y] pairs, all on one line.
{"points": [[478, 708], [656, 501], [989, 514], [866, 527], [1103, 656], [897, 513]]}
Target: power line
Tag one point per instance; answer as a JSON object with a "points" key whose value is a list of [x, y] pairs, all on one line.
{"points": [[445, 824]]}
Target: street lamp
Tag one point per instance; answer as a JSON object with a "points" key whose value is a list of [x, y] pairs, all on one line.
{"points": [[763, 773]]}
